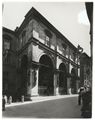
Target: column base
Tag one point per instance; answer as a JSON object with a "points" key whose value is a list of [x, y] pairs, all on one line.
{"points": [[69, 91], [57, 91], [35, 91], [27, 98]]}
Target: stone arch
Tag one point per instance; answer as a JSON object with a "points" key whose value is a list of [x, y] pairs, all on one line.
{"points": [[50, 56], [62, 79], [7, 36], [45, 81]]}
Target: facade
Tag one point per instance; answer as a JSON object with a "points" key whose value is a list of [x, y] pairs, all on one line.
{"points": [[9, 61], [45, 61], [89, 10], [85, 70]]}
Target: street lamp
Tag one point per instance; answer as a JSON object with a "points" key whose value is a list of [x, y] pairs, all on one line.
{"points": [[79, 52]]}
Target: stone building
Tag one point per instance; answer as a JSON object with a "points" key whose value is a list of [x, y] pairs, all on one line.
{"points": [[42, 60], [9, 61], [85, 70], [89, 10]]}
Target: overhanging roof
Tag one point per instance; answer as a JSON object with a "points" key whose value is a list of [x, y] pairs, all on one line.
{"points": [[34, 13]]}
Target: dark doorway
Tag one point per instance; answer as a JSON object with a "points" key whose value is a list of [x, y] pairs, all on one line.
{"points": [[45, 82], [62, 79], [73, 81], [24, 64]]}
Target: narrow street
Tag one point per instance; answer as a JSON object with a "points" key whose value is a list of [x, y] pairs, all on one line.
{"points": [[58, 108]]}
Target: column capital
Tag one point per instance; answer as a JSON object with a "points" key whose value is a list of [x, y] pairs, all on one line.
{"points": [[56, 71], [33, 65], [68, 75]]}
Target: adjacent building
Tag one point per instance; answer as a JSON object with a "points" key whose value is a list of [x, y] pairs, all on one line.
{"points": [[38, 59], [85, 70]]}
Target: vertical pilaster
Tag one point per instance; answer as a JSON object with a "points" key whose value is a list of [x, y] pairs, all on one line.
{"points": [[29, 82], [57, 88], [35, 88], [55, 81], [68, 85], [56, 91]]}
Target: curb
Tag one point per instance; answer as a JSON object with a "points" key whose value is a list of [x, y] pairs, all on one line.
{"points": [[40, 99]]}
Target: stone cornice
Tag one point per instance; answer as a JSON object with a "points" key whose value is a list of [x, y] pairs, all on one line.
{"points": [[44, 47]]}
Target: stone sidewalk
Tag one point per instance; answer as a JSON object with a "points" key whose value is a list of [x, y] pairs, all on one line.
{"points": [[36, 99]]}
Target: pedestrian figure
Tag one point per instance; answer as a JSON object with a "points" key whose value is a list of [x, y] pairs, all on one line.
{"points": [[10, 99], [3, 103], [80, 95], [5, 99], [86, 107]]}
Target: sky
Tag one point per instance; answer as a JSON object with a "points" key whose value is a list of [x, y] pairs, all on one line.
{"points": [[69, 18]]}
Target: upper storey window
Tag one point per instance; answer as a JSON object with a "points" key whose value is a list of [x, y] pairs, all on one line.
{"points": [[23, 34], [47, 42], [64, 48], [23, 37], [6, 42], [35, 34], [73, 55], [48, 36]]}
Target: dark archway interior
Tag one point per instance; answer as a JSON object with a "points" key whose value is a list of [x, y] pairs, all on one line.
{"points": [[45, 81], [62, 79], [24, 64], [73, 80]]}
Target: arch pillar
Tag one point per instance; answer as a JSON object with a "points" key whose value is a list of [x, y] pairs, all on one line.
{"points": [[29, 84], [69, 85], [31, 89], [56, 80], [35, 89], [56, 89]]}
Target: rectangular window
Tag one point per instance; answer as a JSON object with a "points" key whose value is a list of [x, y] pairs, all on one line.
{"points": [[20, 43], [64, 52], [35, 34], [23, 37], [64, 46], [47, 41], [6, 44], [72, 54], [67, 52]]}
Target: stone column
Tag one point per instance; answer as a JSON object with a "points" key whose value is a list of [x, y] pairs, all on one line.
{"points": [[68, 85], [35, 88], [56, 90], [29, 82]]}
